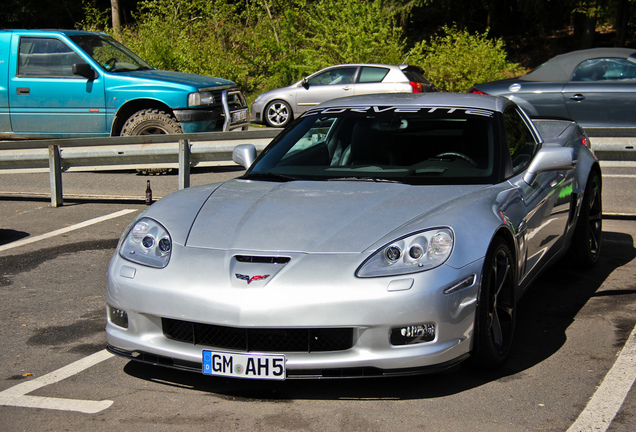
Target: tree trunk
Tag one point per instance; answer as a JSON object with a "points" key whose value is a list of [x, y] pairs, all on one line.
{"points": [[114, 5], [622, 20], [584, 30]]}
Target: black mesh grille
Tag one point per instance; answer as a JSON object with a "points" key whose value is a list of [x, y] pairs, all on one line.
{"points": [[261, 339]]}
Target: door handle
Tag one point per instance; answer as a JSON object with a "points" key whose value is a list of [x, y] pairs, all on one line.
{"points": [[577, 97], [23, 91], [347, 88]]}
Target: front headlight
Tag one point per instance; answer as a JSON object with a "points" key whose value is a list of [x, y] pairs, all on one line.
{"points": [[147, 243], [415, 253], [200, 98]]}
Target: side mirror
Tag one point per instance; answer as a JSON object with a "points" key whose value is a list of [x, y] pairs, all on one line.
{"points": [[305, 83], [85, 70], [244, 155], [550, 159]]}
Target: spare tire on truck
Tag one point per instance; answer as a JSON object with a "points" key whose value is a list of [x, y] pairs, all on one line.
{"points": [[151, 122]]}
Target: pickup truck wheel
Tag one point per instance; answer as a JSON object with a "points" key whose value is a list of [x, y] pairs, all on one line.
{"points": [[151, 122]]}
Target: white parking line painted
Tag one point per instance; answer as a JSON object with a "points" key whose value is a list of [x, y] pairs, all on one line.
{"points": [[16, 395], [65, 230], [619, 175], [609, 397]]}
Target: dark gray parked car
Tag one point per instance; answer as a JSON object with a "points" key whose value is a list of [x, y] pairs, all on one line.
{"points": [[278, 107], [596, 87]]}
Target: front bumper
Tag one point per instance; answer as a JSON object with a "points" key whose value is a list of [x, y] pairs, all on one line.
{"points": [[231, 113], [331, 298]]}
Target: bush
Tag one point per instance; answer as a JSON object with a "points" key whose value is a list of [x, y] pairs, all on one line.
{"points": [[267, 44], [456, 61], [258, 44]]}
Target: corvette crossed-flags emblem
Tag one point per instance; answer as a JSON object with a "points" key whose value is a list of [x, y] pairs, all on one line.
{"points": [[251, 279]]}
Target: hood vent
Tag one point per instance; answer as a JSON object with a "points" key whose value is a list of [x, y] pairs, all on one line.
{"points": [[262, 259]]}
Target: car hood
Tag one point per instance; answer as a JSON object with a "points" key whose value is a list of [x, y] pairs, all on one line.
{"points": [[316, 217], [277, 92], [181, 78]]}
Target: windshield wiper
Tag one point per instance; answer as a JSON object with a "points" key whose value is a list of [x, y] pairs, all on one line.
{"points": [[267, 176]]}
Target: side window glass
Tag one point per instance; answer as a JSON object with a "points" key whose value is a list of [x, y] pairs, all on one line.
{"points": [[372, 74], [605, 69], [521, 142], [335, 76], [46, 57]]}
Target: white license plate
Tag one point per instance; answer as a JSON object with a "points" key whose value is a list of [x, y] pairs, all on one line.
{"points": [[239, 116], [259, 366]]}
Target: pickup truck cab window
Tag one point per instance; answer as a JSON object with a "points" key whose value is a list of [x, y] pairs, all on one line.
{"points": [[46, 57]]}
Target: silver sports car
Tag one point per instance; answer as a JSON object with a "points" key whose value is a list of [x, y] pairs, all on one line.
{"points": [[377, 235]]}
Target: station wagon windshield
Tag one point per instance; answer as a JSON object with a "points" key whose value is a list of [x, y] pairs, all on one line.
{"points": [[413, 145]]}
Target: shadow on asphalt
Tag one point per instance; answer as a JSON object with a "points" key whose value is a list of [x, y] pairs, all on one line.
{"points": [[9, 236], [544, 314]]}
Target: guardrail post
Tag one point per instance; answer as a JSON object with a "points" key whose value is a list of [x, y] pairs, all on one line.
{"points": [[184, 163], [55, 175]]}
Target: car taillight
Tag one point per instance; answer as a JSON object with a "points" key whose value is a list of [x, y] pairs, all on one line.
{"points": [[475, 91], [417, 87]]}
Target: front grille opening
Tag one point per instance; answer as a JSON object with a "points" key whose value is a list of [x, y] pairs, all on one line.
{"points": [[259, 339]]}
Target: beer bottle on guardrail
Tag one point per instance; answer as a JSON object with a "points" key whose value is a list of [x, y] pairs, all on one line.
{"points": [[148, 193]]}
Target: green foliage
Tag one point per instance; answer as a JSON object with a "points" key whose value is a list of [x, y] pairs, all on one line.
{"points": [[94, 18], [265, 44], [352, 32], [185, 36], [458, 59]]}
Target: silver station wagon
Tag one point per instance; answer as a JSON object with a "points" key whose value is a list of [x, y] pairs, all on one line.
{"points": [[278, 107]]}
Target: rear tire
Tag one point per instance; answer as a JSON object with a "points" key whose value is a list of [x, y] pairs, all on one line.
{"points": [[496, 309], [586, 242]]}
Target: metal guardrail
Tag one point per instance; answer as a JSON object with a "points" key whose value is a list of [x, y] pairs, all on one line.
{"points": [[180, 150], [186, 150]]}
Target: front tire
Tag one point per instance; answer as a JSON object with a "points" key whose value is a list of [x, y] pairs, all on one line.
{"points": [[151, 122], [496, 309], [278, 113], [586, 242]]}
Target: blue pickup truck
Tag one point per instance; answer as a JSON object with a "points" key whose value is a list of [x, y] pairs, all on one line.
{"points": [[67, 83]]}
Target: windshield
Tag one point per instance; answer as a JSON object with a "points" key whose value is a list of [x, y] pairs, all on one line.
{"points": [[110, 54], [414, 145]]}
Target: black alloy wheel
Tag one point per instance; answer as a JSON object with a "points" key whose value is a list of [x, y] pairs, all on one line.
{"points": [[586, 243], [496, 309]]}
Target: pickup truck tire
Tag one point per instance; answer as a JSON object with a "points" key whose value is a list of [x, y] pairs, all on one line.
{"points": [[151, 122]]}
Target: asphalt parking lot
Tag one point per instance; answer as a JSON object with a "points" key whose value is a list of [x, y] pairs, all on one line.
{"points": [[571, 368]]}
